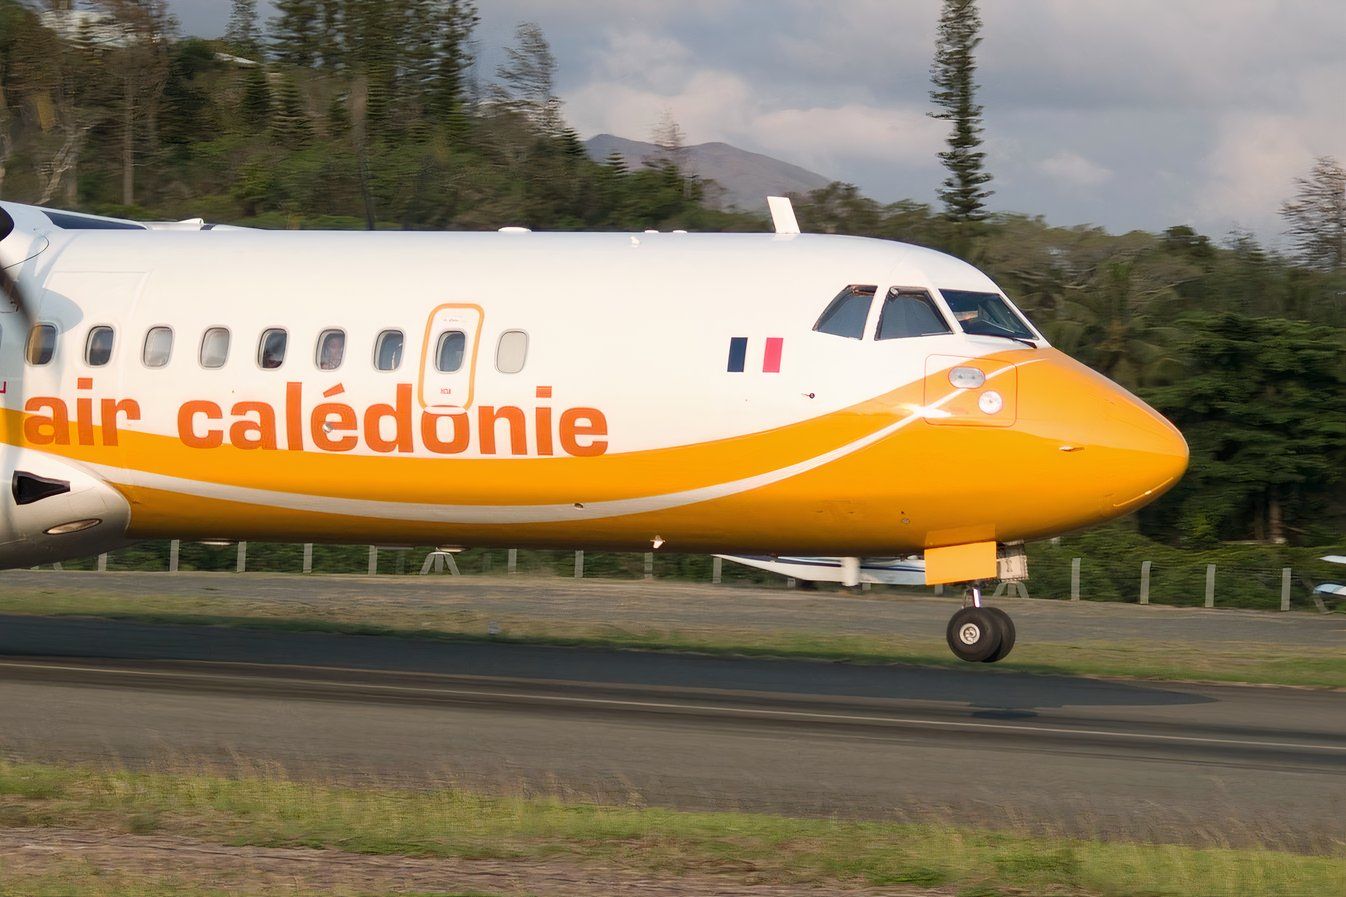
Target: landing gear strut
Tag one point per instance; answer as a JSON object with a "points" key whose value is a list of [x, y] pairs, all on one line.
{"points": [[980, 634]]}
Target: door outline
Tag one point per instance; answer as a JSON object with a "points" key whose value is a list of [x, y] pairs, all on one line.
{"points": [[427, 350]]}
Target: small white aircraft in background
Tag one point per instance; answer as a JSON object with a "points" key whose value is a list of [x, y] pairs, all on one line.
{"points": [[749, 394], [847, 571]]}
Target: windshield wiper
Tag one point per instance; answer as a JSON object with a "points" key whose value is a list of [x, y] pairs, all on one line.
{"points": [[1018, 339]]}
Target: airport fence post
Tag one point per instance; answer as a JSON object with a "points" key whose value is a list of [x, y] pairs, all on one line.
{"points": [[1074, 579], [242, 565], [102, 562], [308, 557], [512, 561], [1285, 588], [1145, 582], [716, 570], [373, 560], [790, 583], [649, 566], [579, 565], [1210, 585], [174, 548], [939, 591]]}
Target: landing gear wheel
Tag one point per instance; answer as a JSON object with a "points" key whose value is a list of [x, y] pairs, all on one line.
{"points": [[1006, 636], [974, 634]]}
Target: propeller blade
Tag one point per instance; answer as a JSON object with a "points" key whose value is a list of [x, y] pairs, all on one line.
{"points": [[8, 285]]}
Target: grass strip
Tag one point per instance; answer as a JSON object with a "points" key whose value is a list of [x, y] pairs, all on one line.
{"points": [[1146, 660], [267, 810]]}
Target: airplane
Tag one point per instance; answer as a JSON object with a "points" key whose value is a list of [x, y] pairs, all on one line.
{"points": [[773, 394]]}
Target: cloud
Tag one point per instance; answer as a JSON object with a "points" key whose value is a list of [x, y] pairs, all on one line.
{"points": [[1137, 114], [1074, 169]]}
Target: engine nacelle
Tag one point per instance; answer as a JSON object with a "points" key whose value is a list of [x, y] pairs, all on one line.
{"points": [[52, 509]]}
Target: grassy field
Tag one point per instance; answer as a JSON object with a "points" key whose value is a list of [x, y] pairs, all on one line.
{"points": [[447, 824], [1307, 666]]}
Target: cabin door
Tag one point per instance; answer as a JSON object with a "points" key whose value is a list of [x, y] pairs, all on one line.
{"points": [[449, 356]]}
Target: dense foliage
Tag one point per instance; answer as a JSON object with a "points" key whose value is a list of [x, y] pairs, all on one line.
{"points": [[367, 113]]}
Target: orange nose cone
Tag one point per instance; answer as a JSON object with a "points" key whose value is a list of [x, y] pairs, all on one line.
{"points": [[1105, 452], [1150, 454]]}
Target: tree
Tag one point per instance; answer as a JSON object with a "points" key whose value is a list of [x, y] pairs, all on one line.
{"points": [[954, 90], [140, 61], [290, 122], [527, 79], [1317, 216], [295, 32], [255, 106], [242, 34], [449, 81], [1263, 406], [668, 137]]}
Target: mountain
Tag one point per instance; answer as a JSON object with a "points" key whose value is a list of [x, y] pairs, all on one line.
{"points": [[747, 179]]}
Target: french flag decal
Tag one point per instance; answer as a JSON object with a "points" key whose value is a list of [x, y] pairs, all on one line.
{"points": [[771, 354]]}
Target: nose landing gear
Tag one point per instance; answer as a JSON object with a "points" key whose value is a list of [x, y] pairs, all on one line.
{"points": [[980, 634]]}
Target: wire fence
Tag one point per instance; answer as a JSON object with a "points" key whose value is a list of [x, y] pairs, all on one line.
{"points": [[1122, 576]]}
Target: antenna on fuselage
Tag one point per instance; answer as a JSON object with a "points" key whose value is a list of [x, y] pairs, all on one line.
{"points": [[783, 214]]}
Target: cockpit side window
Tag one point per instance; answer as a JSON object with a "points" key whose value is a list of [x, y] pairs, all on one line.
{"points": [[908, 313], [847, 314], [986, 314]]}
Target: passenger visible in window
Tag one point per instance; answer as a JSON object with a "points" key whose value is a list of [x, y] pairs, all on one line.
{"points": [[331, 349], [98, 347], [271, 349], [847, 313]]}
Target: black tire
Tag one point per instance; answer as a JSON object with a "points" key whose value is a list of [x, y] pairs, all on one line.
{"points": [[974, 634], [1006, 636]]}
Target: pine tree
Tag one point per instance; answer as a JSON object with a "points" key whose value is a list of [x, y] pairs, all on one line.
{"points": [[448, 87], [255, 107], [330, 43], [294, 32], [290, 123], [954, 92], [242, 35], [1317, 216]]}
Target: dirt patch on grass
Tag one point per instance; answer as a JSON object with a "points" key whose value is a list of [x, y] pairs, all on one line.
{"points": [[33, 852]]}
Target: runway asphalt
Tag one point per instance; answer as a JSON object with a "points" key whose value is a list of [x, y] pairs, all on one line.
{"points": [[1168, 762], [693, 605]]}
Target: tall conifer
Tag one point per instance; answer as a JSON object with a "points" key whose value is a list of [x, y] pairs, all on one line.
{"points": [[954, 90]]}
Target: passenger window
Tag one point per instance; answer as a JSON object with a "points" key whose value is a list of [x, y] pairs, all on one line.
{"points": [[271, 349], [511, 352], [910, 313], [450, 351], [41, 344], [215, 347], [158, 347], [847, 314], [331, 349], [98, 347], [388, 350]]}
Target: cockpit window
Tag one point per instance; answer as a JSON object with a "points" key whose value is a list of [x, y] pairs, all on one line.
{"points": [[847, 314], [908, 312], [986, 314]]}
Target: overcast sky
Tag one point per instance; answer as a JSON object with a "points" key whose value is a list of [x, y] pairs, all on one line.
{"points": [[1135, 114]]}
